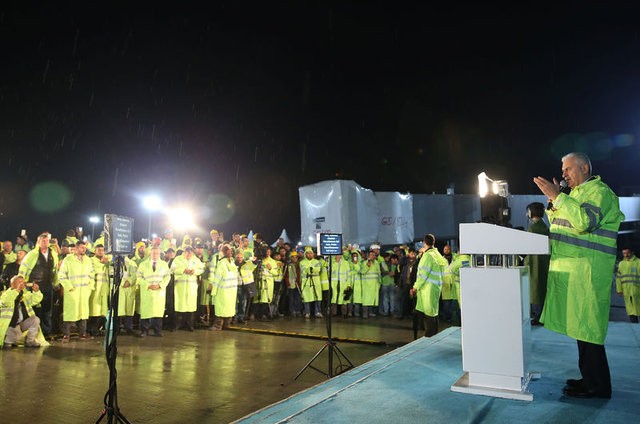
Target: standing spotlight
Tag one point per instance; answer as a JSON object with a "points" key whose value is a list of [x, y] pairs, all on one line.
{"points": [[93, 220], [495, 207], [151, 203], [181, 218]]}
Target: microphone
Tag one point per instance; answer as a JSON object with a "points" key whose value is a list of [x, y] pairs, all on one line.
{"points": [[563, 186]]}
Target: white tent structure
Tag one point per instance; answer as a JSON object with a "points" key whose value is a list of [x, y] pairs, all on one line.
{"points": [[284, 236], [359, 214]]}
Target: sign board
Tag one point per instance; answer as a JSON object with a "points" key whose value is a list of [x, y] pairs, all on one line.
{"points": [[118, 231], [329, 244]]}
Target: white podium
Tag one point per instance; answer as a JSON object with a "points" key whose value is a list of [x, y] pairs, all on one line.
{"points": [[496, 325]]}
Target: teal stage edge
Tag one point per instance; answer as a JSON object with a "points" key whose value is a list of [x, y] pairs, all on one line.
{"points": [[412, 384]]}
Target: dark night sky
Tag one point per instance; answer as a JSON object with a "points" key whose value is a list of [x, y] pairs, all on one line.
{"points": [[235, 106]]}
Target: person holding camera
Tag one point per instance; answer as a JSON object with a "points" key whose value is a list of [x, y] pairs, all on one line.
{"points": [[246, 287], [98, 300], [371, 278], [22, 243], [224, 289], [40, 266], [341, 289], [356, 279], [293, 282], [310, 269], [20, 301], [265, 273]]}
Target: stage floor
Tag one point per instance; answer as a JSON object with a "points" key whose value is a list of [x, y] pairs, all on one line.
{"points": [[412, 385]]}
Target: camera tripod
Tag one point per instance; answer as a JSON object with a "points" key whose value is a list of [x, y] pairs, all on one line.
{"points": [[330, 345], [112, 328]]}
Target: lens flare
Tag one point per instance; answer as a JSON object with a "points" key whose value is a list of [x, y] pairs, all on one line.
{"points": [[50, 196]]}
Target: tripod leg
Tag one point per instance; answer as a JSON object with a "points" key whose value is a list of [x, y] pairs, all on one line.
{"points": [[340, 354], [308, 365]]}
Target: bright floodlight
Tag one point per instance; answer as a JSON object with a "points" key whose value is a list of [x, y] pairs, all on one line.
{"points": [[181, 218], [152, 202], [94, 219], [483, 186], [498, 187]]}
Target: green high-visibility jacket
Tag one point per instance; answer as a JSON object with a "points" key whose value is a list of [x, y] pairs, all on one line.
{"points": [[356, 280], [127, 298], [152, 301], [225, 288], [310, 280], [19, 247], [203, 283], [429, 282], [246, 253], [98, 304], [165, 244], [388, 271], [341, 279], [99, 240], [7, 305], [9, 258], [138, 259], [185, 287], [31, 259], [213, 264], [246, 272], [71, 240], [324, 274], [265, 289], [370, 278], [77, 277], [448, 291], [280, 274], [628, 283], [459, 261], [583, 234]]}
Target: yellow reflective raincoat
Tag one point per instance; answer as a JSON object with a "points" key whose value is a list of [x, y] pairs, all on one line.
{"points": [[583, 237]]}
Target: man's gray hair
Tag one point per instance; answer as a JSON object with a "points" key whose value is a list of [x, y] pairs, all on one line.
{"points": [[15, 277], [44, 235], [580, 158]]}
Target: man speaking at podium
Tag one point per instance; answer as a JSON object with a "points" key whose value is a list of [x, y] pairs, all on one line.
{"points": [[583, 237]]}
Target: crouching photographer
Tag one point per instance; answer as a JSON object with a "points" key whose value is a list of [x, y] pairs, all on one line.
{"points": [[17, 315]]}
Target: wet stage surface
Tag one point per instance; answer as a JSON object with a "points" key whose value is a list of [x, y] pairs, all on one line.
{"points": [[183, 377]]}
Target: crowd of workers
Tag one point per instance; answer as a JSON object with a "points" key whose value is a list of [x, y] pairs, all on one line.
{"points": [[224, 281], [58, 288]]}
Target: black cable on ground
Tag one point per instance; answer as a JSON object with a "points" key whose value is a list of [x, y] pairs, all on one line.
{"points": [[313, 336]]}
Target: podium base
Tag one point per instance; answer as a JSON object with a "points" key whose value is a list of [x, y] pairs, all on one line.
{"points": [[463, 386]]}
